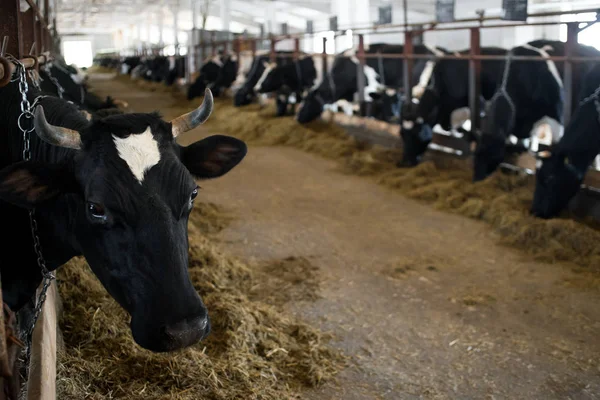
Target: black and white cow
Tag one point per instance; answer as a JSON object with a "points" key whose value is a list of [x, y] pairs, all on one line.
{"points": [[288, 82], [246, 94], [177, 67], [380, 73], [443, 99], [71, 87], [117, 190], [129, 63], [217, 74], [564, 166], [529, 102]]}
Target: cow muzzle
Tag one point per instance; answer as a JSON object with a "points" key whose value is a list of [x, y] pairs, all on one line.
{"points": [[173, 336]]}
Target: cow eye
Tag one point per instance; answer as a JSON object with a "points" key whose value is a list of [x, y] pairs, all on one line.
{"points": [[96, 211], [194, 194]]}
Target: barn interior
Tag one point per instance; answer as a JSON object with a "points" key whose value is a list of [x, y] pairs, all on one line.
{"points": [[332, 262]]}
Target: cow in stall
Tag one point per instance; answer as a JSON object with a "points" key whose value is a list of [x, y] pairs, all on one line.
{"points": [[217, 73], [288, 82], [383, 78], [58, 80], [246, 94], [529, 103], [177, 67], [119, 191], [562, 169], [444, 101], [129, 63]]}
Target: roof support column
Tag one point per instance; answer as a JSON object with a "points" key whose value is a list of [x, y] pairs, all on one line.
{"points": [[225, 14]]}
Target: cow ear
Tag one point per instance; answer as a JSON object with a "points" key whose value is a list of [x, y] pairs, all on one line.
{"points": [[213, 156], [28, 184]]}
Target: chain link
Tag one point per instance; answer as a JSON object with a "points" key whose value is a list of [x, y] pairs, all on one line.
{"points": [[27, 115]]}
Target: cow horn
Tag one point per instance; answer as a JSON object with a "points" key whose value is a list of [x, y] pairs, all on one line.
{"points": [[192, 119], [55, 135]]}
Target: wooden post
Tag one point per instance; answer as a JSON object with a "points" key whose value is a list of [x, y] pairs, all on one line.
{"points": [[408, 64], [27, 31], [475, 78], [572, 34], [10, 26], [41, 384], [253, 44], [360, 74], [39, 45]]}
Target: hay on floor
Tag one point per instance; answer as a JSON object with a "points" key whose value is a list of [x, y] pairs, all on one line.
{"points": [[503, 200], [254, 351]]}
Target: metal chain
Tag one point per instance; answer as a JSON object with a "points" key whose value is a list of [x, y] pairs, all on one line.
{"points": [[27, 114], [596, 97]]}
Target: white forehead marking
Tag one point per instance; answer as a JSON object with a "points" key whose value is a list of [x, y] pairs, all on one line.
{"points": [[139, 151]]}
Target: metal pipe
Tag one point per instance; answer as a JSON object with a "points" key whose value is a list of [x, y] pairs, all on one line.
{"points": [[408, 62], [572, 34], [272, 42], [474, 79], [324, 56], [360, 75], [373, 29]]}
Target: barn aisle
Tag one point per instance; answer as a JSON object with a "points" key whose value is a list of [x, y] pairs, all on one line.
{"points": [[427, 303]]}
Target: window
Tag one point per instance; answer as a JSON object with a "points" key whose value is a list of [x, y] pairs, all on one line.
{"points": [[590, 36], [78, 53], [318, 42]]}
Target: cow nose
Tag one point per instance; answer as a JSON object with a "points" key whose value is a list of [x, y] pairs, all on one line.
{"points": [[186, 332]]}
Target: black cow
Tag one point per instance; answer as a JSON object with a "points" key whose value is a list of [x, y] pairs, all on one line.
{"points": [[129, 63], [177, 68], [340, 83], [117, 190], [57, 72], [532, 91], [246, 93], [289, 80], [564, 167], [217, 74], [448, 90]]}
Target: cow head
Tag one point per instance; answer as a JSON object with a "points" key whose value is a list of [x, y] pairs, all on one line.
{"points": [[131, 188], [386, 105], [416, 127], [556, 183], [311, 108], [243, 97], [197, 88], [490, 147]]}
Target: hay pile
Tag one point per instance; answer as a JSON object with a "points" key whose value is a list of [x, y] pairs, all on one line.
{"points": [[254, 351], [502, 200]]}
